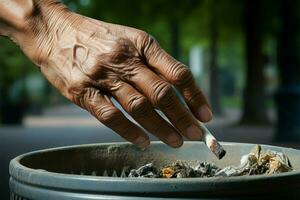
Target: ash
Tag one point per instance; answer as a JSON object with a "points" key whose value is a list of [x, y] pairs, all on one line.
{"points": [[257, 162]]}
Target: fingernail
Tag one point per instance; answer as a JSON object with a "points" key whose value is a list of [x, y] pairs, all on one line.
{"points": [[204, 114], [174, 140], [193, 132], [142, 142]]}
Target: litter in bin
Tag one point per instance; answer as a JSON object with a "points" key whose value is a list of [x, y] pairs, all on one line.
{"points": [[257, 162]]}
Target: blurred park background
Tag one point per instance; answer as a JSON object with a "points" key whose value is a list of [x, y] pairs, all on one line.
{"points": [[244, 55]]}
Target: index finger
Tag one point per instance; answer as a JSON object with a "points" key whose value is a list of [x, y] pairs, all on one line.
{"points": [[180, 76]]}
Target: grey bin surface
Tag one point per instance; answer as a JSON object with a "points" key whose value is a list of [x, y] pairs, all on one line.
{"points": [[75, 172]]}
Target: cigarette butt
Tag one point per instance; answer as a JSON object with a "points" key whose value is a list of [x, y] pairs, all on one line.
{"points": [[212, 143]]}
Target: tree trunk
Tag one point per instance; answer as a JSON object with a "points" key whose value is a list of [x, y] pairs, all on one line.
{"points": [[215, 95], [254, 108], [175, 43], [288, 94]]}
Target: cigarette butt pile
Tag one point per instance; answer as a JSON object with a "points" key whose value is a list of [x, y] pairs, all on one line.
{"points": [[256, 162]]}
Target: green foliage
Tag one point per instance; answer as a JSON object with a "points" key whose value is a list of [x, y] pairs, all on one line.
{"points": [[13, 65]]}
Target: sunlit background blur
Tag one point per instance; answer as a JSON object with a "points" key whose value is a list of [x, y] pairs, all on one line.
{"points": [[244, 55]]}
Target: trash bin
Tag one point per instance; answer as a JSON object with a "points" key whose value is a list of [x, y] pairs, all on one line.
{"points": [[96, 171]]}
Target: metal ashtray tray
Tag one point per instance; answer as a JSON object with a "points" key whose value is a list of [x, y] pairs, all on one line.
{"points": [[97, 172]]}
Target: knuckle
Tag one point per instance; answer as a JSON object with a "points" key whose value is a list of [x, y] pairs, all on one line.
{"points": [[87, 100], [112, 84], [151, 40], [138, 105], [77, 95], [149, 44], [162, 94], [76, 87], [109, 115], [181, 75], [142, 35], [146, 38]]}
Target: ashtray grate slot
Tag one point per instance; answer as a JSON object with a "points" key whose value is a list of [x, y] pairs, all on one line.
{"points": [[14, 196], [104, 173]]}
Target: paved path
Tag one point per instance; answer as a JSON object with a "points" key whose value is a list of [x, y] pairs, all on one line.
{"points": [[68, 118]]}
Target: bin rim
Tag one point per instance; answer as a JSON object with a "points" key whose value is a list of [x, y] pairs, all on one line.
{"points": [[71, 182]]}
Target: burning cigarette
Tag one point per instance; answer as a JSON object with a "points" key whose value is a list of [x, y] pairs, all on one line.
{"points": [[212, 143]]}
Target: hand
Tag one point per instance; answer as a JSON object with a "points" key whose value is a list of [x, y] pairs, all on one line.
{"points": [[90, 62]]}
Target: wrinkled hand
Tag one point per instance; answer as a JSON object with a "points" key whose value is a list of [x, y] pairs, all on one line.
{"points": [[90, 62]]}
